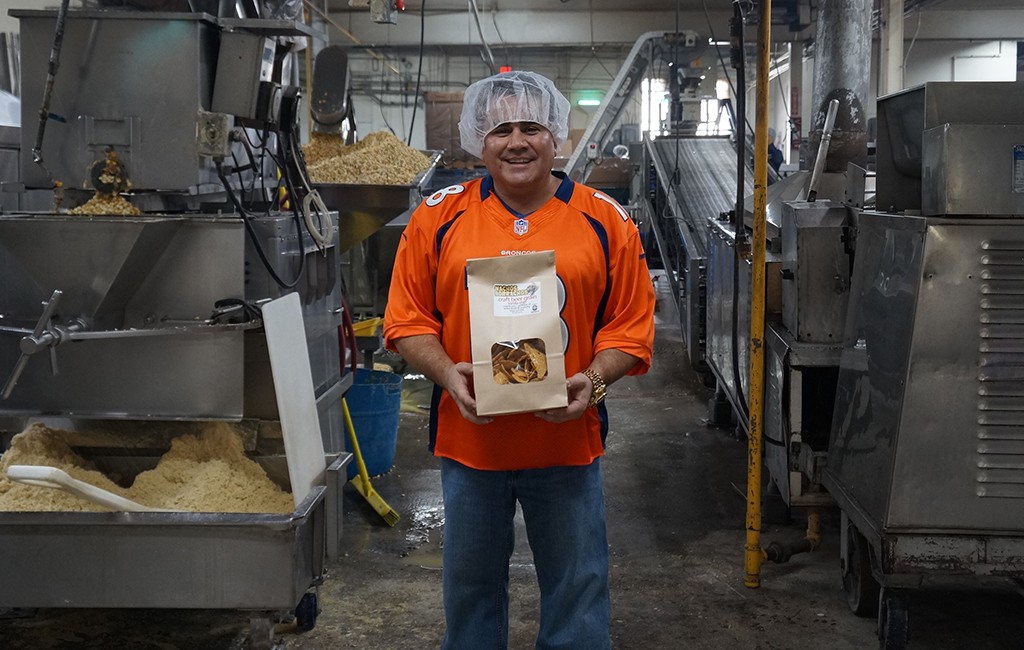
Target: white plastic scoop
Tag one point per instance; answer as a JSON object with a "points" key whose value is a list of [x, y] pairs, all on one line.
{"points": [[58, 479]]}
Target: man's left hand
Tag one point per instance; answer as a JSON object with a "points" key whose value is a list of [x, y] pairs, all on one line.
{"points": [[578, 387]]}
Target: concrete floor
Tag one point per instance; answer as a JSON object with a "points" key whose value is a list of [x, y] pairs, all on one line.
{"points": [[676, 525]]}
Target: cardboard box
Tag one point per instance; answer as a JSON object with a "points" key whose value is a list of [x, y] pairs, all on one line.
{"points": [[442, 113], [565, 151], [611, 172], [576, 135]]}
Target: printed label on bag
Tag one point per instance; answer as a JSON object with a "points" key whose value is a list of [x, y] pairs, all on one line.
{"points": [[519, 299]]}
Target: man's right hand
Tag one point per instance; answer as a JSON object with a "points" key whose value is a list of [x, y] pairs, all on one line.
{"points": [[458, 381], [425, 353]]}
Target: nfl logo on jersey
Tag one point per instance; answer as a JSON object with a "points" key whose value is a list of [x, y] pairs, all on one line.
{"points": [[520, 226]]}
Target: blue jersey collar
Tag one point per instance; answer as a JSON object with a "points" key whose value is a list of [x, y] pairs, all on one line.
{"points": [[563, 193]]}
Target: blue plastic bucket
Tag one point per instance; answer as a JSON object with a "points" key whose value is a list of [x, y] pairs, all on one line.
{"points": [[374, 401]]}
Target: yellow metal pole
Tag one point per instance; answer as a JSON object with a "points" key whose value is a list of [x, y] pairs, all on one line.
{"points": [[755, 555], [814, 527]]}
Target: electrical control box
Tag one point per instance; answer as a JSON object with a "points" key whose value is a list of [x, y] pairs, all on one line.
{"points": [[244, 85]]}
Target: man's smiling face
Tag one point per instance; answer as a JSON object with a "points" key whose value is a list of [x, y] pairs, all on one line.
{"points": [[518, 154]]}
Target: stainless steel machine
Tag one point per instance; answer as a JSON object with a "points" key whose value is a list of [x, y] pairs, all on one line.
{"points": [[696, 197], [152, 322], [892, 360], [686, 176], [925, 452], [809, 261], [691, 189], [692, 200]]}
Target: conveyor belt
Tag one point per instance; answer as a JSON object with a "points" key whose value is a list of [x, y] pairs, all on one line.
{"points": [[707, 179]]}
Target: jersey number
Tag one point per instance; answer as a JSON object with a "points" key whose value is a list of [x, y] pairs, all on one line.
{"points": [[614, 204], [439, 195]]}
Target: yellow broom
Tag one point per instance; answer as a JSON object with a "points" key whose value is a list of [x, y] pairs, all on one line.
{"points": [[362, 480]]}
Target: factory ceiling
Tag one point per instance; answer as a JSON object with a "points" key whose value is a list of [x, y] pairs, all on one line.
{"points": [[458, 6], [575, 23]]}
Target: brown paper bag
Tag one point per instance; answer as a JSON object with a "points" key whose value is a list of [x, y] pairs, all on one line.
{"points": [[515, 333]]}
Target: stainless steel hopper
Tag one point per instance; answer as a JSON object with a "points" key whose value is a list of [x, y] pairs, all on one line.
{"points": [[136, 297], [365, 209], [58, 252]]}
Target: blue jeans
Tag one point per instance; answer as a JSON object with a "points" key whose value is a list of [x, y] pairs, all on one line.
{"points": [[565, 524]]}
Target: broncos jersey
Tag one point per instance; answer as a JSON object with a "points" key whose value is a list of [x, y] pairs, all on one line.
{"points": [[606, 298]]}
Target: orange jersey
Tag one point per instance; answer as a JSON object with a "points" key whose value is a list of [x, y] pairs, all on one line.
{"points": [[606, 295]]}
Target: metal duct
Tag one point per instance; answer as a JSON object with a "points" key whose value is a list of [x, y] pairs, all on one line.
{"points": [[842, 69]]}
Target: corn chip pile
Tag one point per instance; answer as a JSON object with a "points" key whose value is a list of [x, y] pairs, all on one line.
{"points": [[519, 362], [378, 159], [102, 204], [113, 180]]}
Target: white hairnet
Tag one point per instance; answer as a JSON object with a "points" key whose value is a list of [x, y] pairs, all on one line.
{"points": [[517, 96]]}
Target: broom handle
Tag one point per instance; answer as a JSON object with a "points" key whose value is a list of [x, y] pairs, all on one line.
{"points": [[363, 474]]}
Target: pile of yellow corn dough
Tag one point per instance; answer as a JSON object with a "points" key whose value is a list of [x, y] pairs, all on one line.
{"points": [[208, 472]]}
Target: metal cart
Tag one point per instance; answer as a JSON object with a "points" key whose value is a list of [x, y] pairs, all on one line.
{"points": [[263, 564], [155, 319], [928, 429]]}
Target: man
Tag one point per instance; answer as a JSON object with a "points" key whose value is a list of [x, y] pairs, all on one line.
{"points": [[548, 461], [775, 157]]}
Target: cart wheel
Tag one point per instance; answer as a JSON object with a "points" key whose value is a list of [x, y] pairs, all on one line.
{"points": [[306, 612], [859, 584], [893, 620]]}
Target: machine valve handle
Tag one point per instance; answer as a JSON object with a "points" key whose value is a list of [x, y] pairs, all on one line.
{"points": [[42, 337]]}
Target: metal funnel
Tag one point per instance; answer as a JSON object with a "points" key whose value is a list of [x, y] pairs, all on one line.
{"points": [[790, 188], [365, 209], [98, 262]]}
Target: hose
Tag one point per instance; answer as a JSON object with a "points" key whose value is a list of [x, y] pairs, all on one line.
{"points": [[51, 74], [323, 234], [738, 56], [313, 200]]}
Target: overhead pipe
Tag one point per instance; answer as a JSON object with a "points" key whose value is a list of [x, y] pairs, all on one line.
{"points": [[842, 72], [487, 56]]}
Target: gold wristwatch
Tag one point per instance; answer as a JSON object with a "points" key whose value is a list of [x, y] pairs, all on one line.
{"points": [[599, 388]]}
